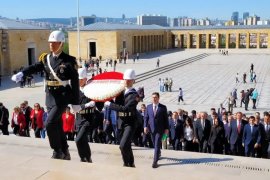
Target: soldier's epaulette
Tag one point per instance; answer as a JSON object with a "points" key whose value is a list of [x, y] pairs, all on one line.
{"points": [[42, 57]]}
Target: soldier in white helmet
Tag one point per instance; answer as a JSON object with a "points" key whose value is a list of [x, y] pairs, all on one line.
{"points": [[126, 107], [62, 88]]}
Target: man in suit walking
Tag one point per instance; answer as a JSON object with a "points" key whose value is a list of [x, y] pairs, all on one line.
{"points": [[202, 131], [236, 134], [251, 137], [176, 131], [157, 119], [266, 140]]}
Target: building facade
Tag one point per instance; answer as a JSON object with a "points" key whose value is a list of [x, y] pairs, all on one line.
{"points": [[112, 40], [20, 45]]}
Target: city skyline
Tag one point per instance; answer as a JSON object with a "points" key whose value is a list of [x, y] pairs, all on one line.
{"points": [[212, 9]]}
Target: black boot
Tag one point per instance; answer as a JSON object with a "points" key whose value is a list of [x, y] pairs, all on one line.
{"points": [[67, 155], [58, 154]]}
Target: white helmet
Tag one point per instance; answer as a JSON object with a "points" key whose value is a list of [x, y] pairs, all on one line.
{"points": [[129, 74], [57, 36], [82, 73]]}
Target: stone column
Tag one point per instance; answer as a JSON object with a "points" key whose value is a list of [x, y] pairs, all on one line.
{"points": [[217, 40], [198, 41], [247, 40], [227, 42], [207, 41], [188, 40], [237, 41], [258, 40]]}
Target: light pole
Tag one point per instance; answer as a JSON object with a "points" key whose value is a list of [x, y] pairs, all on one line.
{"points": [[78, 30]]}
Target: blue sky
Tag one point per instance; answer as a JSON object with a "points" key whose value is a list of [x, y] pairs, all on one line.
{"points": [[222, 9]]}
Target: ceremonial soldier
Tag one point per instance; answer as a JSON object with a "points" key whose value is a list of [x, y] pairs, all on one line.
{"points": [[84, 120], [125, 105], [62, 88]]}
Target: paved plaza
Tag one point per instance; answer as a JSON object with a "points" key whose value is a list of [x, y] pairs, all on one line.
{"points": [[206, 83]]}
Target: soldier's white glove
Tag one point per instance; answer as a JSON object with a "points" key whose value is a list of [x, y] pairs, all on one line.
{"points": [[90, 104], [17, 77], [76, 108], [107, 103]]}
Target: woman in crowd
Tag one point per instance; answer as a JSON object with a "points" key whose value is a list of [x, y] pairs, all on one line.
{"points": [[217, 136], [18, 122], [68, 124], [36, 118], [188, 135]]}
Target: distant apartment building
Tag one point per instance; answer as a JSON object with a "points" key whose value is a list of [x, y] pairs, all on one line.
{"points": [[251, 20], [86, 20], [263, 22], [235, 17], [152, 19], [245, 15], [203, 22], [230, 23]]}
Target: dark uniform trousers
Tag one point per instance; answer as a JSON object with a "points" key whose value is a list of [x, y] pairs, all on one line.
{"points": [[125, 105], [54, 127], [84, 121], [57, 97]]}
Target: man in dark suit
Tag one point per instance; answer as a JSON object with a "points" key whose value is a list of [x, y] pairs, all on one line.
{"points": [[236, 134], [157, 119], [266, 140], [176, 131], [202, 131], [251, 137], [126, 107], [62, 88]]}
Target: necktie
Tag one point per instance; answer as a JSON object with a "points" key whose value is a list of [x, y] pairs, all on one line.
{"points": [[203, 124], [239, 128], [267, 127], [155, 110], [251, 128]]}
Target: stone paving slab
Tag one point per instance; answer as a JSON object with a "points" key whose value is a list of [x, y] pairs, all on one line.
{"points": [[28, 158]]}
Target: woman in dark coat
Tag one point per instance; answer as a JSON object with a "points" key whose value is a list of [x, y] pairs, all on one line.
{"points": [[217, 137]]}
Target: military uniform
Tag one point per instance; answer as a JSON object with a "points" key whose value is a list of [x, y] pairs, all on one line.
{"points": [[57, 96], [126, 107], [84, 123]]}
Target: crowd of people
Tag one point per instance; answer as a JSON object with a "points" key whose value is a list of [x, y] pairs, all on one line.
{"points": [[220, 132]]}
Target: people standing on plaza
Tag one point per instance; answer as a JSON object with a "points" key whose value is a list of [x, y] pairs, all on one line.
{"points": [[254, 96], [84, 120], [244, 78], [246, 98], [234, 94], [126, 107], [62, 88], [180, 96], [138, 56], [242, 98], [230, 102], [158, 61], [170, 83], [4, 122], [254, 76], [36, 119], [68, 120], [237, 78], [176, 129], [156, 117], [251, 68]]}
